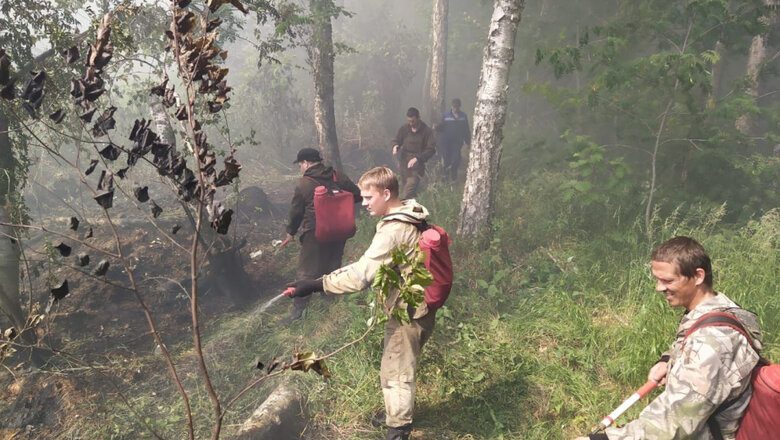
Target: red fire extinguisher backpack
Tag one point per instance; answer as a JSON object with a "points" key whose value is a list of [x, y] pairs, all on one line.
{"points": [[334, 212], [762, 417], [435, 242]]}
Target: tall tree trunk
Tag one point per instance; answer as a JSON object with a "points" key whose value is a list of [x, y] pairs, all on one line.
{"points": [[476, 210], [9, 273], [6, 161], [756, 58], [436, 89], [321, 57]]}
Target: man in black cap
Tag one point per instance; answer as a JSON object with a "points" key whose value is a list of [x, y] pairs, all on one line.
{"points": [[315, 259]]}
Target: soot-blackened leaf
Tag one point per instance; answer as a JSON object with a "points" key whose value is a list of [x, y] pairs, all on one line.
{"points": [[175, 229], [122, 172], [106, 181], [8, 92], [101, 268], [222, 223], [181, 113], [259, 364], [76, 88], [74, 223], [141, 193], [82, 259], [5, 68], [156, 210], [105, 199], [214, 107], [64, 249], [71, 54], [30, 110], [57, 116], [92, 164], [60, 291], [213, 24], [159, 89], [104, 123], [110, 152], [87, 115], [183, 3], [89, 233]]}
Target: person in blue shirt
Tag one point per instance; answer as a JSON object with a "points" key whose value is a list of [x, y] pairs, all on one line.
{"points": [[453, 133]]}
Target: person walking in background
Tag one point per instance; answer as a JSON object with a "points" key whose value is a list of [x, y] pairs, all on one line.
{"points": [[707, 372], [315, 258], [413, 145], [453, 133], [403, 341]]}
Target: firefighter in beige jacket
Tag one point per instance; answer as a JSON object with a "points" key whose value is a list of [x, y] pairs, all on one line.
{"points": [[403, 342]]}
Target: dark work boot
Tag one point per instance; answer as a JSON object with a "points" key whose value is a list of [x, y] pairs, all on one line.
{"points": [[399, 433], [294, 315]]}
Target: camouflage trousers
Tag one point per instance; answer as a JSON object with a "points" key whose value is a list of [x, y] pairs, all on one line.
{"points": [[402, 348]]}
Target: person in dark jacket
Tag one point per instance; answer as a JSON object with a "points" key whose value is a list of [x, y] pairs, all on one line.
{"points": [[414, 144], [453, 133], [315, 258]]}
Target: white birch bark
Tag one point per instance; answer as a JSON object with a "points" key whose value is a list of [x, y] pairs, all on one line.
{"points": [[476, 209], [438, 77], [756, 57]]}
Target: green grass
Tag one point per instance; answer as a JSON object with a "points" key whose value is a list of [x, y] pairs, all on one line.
{"points": [[541, 337]]}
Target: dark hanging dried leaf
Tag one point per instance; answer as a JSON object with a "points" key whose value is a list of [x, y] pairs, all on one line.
{"points": [[226, 176], [185, 22], [214, 107], [63, 249], [141, 193], [159, 89], [87, 115], [215, 4], [71, 54], [101, 268], [10, 333], [259, 364], [89, 233], [34, 86], [105, 199], [122, 172], [183, 3], [92, 164], [104, 123], [76, 88], [169, 100], [138, 128], [175, 229], [181, 113], [30, 110], [106, 181], [222, 222], [60, 291], [156, 210], [213, 24], [8, 92], [74, 224], [82, 259], [110, 152], [37, 99], [93, 93], [57, 116]]}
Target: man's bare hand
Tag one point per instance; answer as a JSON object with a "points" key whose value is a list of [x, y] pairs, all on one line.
{"points": [[412, 162], [395, 149], [658, 373]]}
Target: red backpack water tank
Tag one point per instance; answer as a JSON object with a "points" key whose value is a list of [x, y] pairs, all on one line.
{"points": [[435, 242], [334, 214]]}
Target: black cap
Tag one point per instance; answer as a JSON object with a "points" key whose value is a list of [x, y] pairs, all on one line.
{"points": [[308, 154]]}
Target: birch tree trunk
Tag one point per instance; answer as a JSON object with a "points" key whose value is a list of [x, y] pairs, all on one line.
{"points": [[476, 209], [321, 57], [438, 77], [756, 57]]}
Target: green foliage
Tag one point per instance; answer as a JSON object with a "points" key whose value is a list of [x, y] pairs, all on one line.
{"points": [[405, 278]]}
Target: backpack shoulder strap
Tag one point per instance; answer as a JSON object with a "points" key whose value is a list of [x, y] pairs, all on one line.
{"points": [[421, 225], [721, 319]]}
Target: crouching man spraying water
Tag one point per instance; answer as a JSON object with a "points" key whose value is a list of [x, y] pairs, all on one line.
{"points": [[403, 342], [707, 370]]}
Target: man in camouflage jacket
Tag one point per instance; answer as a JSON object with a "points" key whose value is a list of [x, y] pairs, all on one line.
{"points": [[707, 375]]}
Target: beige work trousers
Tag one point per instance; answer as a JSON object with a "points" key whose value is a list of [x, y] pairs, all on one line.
{"points": [[402, 349]]}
